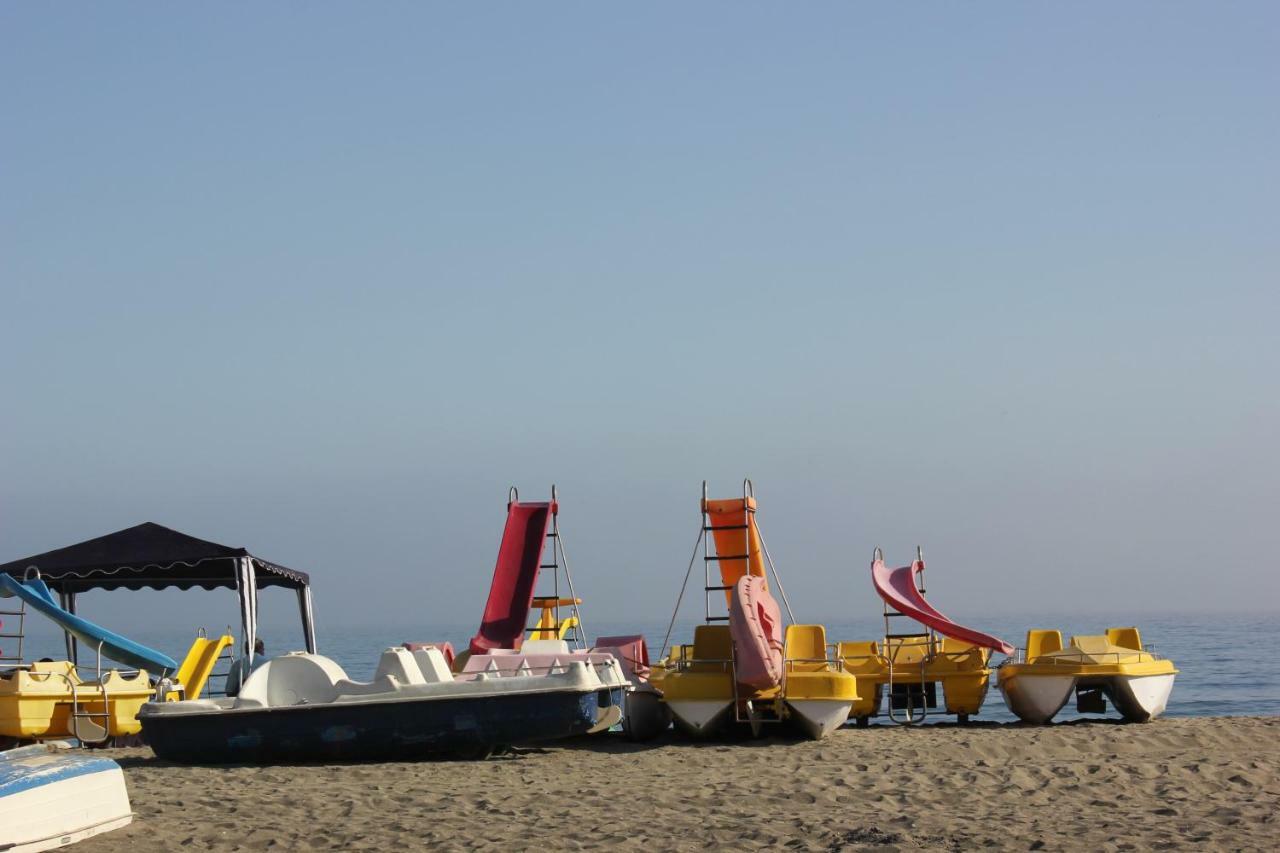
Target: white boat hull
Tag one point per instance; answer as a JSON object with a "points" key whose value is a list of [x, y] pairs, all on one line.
{"points": [[1140, 698], [56, 805], [818, 718], [700, 717], [1037, 698]]}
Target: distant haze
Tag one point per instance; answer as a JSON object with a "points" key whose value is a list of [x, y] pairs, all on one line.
{"points": [[325, 281]]}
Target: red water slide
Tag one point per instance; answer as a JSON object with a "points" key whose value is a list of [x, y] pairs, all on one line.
{"points": [[511, 593], [898, 588]]}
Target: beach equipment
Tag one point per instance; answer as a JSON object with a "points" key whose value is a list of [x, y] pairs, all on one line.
{"points": [[49, 699], [1039, 681], [151, 556], [747, 674], [912, 663], [302, 707], [556, 635], [51, 797], [198, 666], [519, 559]]}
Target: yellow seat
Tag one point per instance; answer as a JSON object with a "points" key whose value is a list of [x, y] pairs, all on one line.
{"points": [[907, 651], [805, 648], [712, 648], [861, 657], [1125, 638], [1042, 642]]}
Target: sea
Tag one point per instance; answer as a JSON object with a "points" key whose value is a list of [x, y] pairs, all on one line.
{"points": [[1224, 660]]}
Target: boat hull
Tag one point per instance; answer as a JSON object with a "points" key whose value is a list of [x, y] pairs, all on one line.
{"points": [[646, 716], [700, 717], [51, 797], [464, 727], [1037, 698], [1140, 698], [818, 718]]}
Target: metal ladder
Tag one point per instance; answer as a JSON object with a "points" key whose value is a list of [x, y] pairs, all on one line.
{"points": [[13, 658], [83, 721], [559, 560], [894, 643]]}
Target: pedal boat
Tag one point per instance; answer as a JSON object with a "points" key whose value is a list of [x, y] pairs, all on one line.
{"points": [[49, 700], [302, 707], [1039, 682], [920, 664], [698, 684], [817, 692], [51, 797]]}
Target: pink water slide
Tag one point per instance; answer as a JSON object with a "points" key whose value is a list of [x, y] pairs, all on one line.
{"points": [[899, 590], [514, 576]]}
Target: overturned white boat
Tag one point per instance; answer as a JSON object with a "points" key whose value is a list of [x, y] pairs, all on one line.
{"points": [[51, 797]]}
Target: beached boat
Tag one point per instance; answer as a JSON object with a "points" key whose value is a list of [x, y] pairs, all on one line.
{"points": [[911, 665], [302, 707], [1038, 682], [51, 797], [748, 674], [555, 634]]}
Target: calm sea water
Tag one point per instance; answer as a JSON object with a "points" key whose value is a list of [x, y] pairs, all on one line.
{"points": [[1224, 669]]}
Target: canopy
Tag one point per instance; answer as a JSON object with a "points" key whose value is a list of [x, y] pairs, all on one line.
{"points": [[153, 556], [149, 555]]}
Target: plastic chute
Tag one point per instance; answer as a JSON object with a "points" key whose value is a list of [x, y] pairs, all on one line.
{"points": [[115, 647], [733, 524], [514, 577], [898, 589]]}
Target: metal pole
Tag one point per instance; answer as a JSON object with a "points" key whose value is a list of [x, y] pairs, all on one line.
{"points": [[688, 572]]}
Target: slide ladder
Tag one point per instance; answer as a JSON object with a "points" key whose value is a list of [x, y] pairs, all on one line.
{"points": [[909, 701], [740, 551], [11, 655], [550, 625], [902, 592]]}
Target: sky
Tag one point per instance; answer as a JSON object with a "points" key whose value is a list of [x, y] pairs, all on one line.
{"points": [[325, 280]]}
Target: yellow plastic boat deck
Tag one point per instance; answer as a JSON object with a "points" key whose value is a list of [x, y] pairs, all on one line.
{"points": [[703, 670], [809, 673], [961, 668], [1117, 652], [37, 701]]}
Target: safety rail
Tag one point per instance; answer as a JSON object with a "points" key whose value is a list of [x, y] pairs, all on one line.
{"points": [[524, 670], [1066, 658]]}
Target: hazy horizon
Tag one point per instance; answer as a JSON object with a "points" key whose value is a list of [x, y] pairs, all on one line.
{"points": [[998, 281]]}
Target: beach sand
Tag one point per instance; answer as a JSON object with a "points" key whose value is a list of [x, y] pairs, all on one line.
{"points": [[1203, 782]]}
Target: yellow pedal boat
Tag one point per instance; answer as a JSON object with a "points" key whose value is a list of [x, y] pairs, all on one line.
{"points": [[1040, 681]]}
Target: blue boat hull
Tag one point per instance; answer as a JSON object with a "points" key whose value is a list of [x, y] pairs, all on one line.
{"points": [[462, 727]]}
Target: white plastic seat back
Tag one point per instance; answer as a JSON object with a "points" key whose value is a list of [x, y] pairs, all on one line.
{"points": [[432, 665], [292, 679], [399, 663]]}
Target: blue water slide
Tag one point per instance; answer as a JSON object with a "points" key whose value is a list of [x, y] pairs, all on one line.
{"points": [[115, 647]]}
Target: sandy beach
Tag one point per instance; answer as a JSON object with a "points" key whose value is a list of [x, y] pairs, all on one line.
{"points": [[1203, 782]]}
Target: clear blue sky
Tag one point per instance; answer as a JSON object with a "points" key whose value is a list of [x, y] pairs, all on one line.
{"points": [[323, 280]]}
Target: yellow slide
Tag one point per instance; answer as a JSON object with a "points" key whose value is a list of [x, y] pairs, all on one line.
{"points": [[198, 665]]}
